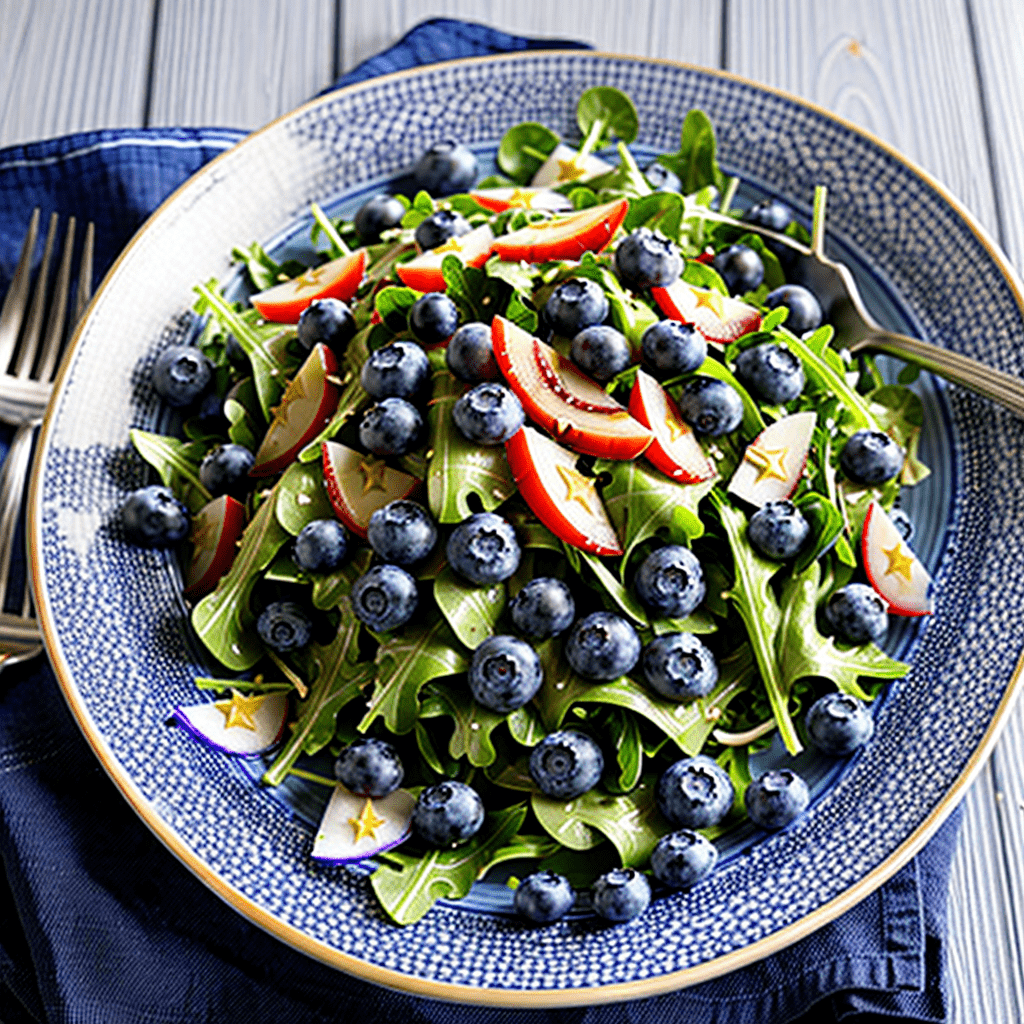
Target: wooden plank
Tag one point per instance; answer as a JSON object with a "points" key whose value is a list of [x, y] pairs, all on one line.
{"points": [[72, 67]]}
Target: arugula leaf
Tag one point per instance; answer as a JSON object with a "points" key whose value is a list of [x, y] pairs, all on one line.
{"points": [[619, 596], [329, 590], [695, 163], [471, 611], [660, 211], [302, 497], [524, 148], [525, 726], [900, 413], [393, 304], [473, 722], [521, 276], [242, 411], [622, 733], [826, 523], [753, 422], [625, 180], [703, 275], [177, 464], [582, 198]]}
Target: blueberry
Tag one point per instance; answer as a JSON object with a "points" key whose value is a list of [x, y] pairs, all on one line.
{"points": [[804, 309], [575, 305], [397, 370], [381, 213], [391, 427], [683, 858], [369, 767], [670, 582], [679, 666], [671, 348], [505, 673], [601, 352], [839, 723], [710, 406], [770, 214], [776, 798], [543, 608], [326, 321], [433, 318], [871, 457], [695, 792], [402, 532], [602, 646], [544, 897], [384, 597], [470, 354], [488, 414], [152, 517], [441, 225], [284, 626], [778, 530], [661, 179], [321, 546], [858, 614], [225, 470], [448, 814], [903, 523], [566, 764], [484, 549], [445, 168], [621, 894], [647, 259], [771, 372], [740, 268], [181, 374]]}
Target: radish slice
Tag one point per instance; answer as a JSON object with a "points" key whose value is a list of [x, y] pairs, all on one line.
{"points": [[773, 462], [358, 485], [215, 529], [564, 165], [892, 568], [245, 725], [424, 272], [720, 318], [501, 199], [355, 827]]}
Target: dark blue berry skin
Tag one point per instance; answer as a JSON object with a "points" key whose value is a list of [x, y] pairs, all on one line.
{"points": [[152, 517], [620, 895], [381, 213], [804, 309], [470, 354], [284, 626], [661, 179], [566, 764], [441, 225], [903, 523], [858, 614], [683, 858], [445, 168], [433, 318], [771, 372], [225, 470], [871, 457], [321, 546], [505, 673], [601, 352], [484, 549], [778, 530], [710, 406], [329, 321], [369, 767], [543, 608], [695, 793], [384, 597], [839, 723], [647, 259], [402, 532], [488, 414], [740, 268], [544, 897], [391, 427], [671, 348], [398, 370], [448, 814], [679, 667], [602, 646], [770, 214], [776, 799], [574, 305], [181, 374], [670, 582]]}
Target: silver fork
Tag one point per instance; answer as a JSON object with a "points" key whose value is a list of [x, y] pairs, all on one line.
{"points": [[26, 381]]}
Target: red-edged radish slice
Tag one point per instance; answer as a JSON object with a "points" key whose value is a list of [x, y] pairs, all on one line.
{"points": [[564, 401], [355, 827], [306, 407], [339, 279], [773, 462], [358, 485], [424, 271], [892, 568], [244, 724], [720, 318], [501, 199], [564, 238], [561, 497], [564, 165], [675, 450], [215, 528]]}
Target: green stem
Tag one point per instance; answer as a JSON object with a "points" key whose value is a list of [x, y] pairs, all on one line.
{"points": [[634, 169], [312, 777], [730, 193], [590, 142], [535, 153], [337, 242]]}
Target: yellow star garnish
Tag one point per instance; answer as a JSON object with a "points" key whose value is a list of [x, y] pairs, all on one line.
{"points": [[204, 530], [569, 170], [309, 278], [239, 711], [577, 486], [521, 198], [709, 300], [366, 823], [452, 245], [899, 562], [373, 471], [771, 462], [676, 429]]}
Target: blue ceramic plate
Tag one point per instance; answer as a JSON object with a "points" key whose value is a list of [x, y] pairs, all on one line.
{"points": [[116, 625]]}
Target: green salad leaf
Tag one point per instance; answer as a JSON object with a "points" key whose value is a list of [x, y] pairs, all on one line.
{"points": [[695, 163], [177, 463], [524, 148], [473, 722], [471, 611]]}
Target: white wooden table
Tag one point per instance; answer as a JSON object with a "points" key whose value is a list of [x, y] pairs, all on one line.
{"points": [[942, 80]]}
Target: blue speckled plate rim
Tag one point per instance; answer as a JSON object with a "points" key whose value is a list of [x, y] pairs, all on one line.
{"points": [[461, 993]]}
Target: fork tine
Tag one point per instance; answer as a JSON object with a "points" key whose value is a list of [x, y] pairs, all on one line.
{"points": [[34, 328], [83, 293], [12, 489], [58, 309], [13, 313]]}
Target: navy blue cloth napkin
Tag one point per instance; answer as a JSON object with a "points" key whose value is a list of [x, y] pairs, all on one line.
{"points": [[99, 923]]}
